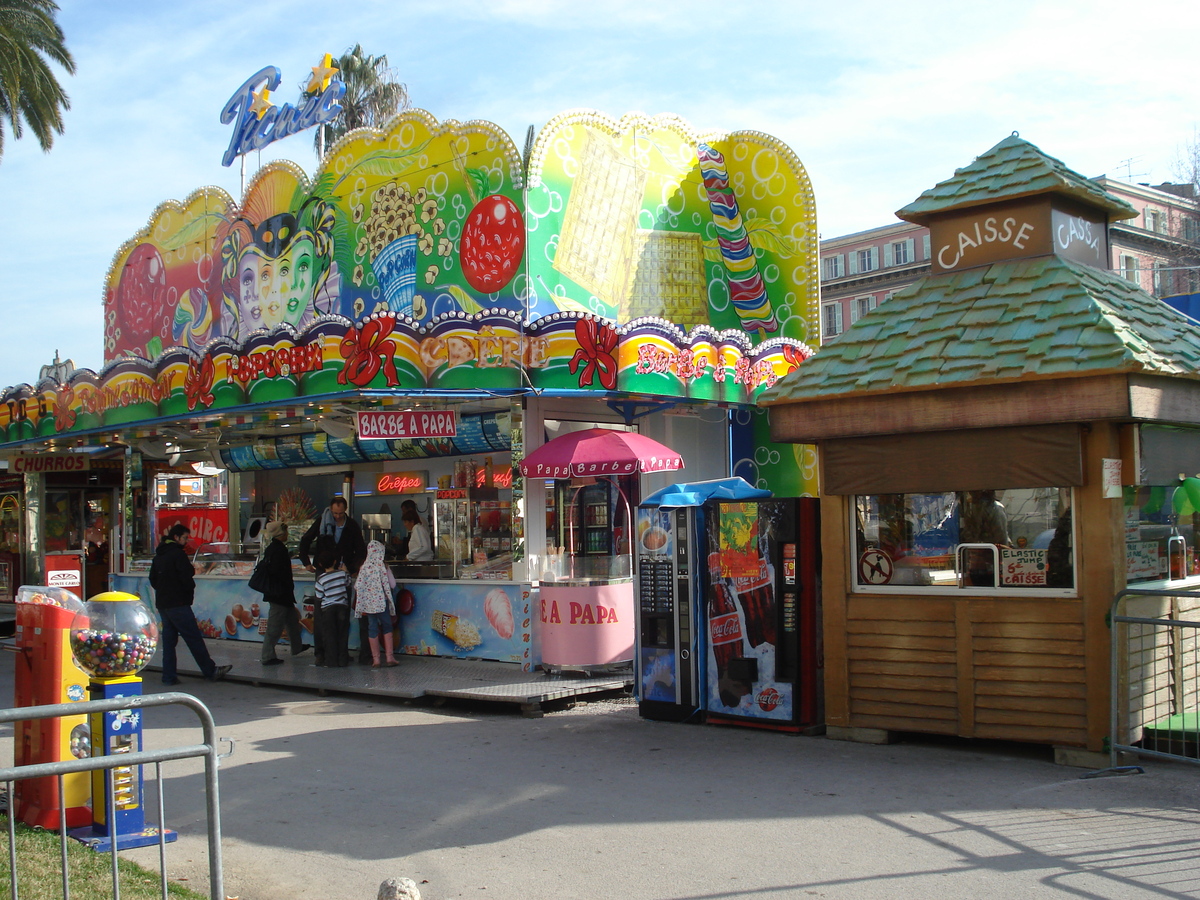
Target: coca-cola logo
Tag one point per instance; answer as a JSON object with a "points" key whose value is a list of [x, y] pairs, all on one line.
{"points": [[768, 699], [725, 628]]}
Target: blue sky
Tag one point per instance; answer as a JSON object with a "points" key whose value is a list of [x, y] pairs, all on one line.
{"points": [[879, 101]]}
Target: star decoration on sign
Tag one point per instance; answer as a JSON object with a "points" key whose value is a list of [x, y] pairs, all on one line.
{"points": [[321, 75], [262, 102]]}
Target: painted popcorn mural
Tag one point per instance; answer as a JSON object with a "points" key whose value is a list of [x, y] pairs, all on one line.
{"points": [[631, 256]]}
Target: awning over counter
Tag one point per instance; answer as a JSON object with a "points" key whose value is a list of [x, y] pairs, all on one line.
{"points": [[484, 433]]}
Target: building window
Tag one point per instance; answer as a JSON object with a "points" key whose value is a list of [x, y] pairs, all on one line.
{"points": [[1161, 279], [865, 260], [832, 267], [831, 319], [925, 247], [898, 253], [860, 306], [1153, 220], [1160, 544], [1020, 541], [1129, 267], [1191, 230]]}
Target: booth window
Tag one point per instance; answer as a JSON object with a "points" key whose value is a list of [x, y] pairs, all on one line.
{"points": [[1161, 528], [999, 541]]}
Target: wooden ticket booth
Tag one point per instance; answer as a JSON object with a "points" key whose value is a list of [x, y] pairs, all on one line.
{"points": [[984, 495]]}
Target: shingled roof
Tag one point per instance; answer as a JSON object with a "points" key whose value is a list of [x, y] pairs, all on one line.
{"points": [[1012, 321], [1013, 168]]}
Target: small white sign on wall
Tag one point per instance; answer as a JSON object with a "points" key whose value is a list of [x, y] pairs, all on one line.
{"points": [[1111, 479]]}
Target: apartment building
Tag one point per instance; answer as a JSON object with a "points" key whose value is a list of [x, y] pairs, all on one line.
{"points": [[1160, 249], [862, 270]]}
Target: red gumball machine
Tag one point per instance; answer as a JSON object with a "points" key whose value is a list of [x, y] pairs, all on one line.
{"points": [[46, 674]]}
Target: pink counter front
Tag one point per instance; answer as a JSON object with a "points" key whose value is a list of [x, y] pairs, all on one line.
{"points": [[587, 624]]}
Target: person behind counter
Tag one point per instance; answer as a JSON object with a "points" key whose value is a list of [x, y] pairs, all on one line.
{"points": [[172, 576], [349, 546], [280, 595], [420, 547], [373, 603]]}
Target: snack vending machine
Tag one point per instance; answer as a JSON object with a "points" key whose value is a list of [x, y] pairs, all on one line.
{"points": [[670, 672]]}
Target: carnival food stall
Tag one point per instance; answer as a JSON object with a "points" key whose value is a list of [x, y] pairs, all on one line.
{"points": [[587, 601], [451, 307]]}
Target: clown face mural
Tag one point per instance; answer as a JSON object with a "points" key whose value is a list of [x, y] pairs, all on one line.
{"points": [[278, 271]]}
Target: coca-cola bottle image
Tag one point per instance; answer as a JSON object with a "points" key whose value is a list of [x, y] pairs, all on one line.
{"points": [[759, 604], [725, 635]]}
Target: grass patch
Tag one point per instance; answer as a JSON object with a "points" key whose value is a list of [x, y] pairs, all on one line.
{"points": [[39, 870]]}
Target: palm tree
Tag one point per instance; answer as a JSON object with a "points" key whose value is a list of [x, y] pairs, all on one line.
{"points": [[372, 95], [29, 92]]}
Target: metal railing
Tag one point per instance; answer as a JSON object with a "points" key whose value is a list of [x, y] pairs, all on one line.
{"points": [[1155, 667], [207, 750]]}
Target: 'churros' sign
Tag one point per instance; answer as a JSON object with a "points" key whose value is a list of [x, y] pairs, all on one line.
{"points": [[48, 462]]}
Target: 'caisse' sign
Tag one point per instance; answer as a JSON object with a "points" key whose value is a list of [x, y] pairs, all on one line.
{"points": [[386, 425]]}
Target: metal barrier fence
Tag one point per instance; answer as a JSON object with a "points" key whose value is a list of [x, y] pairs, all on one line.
{"points": [[207, 750], [1155, 663]]}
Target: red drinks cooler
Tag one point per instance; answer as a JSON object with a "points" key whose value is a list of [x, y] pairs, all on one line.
{"points": [[46, 673]]}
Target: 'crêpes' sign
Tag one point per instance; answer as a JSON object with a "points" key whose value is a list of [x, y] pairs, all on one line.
{"points": [[385, 425]]}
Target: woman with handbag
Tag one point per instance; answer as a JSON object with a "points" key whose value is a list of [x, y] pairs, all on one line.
{"points": [[273, 577]]}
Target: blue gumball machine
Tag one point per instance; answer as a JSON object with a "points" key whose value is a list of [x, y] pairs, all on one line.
{"points": [[113, 638]]}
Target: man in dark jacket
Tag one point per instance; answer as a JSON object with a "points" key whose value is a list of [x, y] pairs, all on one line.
{"points": [[348, 545], [349, 549], [172, 577]]}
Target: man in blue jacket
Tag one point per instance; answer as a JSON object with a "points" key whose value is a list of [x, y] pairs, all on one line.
{"points": [[172, 576]]}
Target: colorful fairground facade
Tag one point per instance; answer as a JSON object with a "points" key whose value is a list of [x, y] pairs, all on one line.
{"points": [[406, 325]]}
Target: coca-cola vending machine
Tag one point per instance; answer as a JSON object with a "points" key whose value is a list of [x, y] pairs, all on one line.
{"points": [[671, 584], [762, 613]]}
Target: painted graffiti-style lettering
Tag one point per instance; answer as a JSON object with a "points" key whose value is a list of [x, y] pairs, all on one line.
{"points": [[271, 363], [488, 351], [754, 375], [986, 232], [116, 397], [252, 132], [686, 364]]}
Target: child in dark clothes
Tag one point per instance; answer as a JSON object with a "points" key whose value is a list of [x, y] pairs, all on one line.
{"points": [[332, 610]]}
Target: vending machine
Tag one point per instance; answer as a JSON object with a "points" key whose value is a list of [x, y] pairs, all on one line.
{"points": [[729, 606], [762, 613], [669, 674], [671, 579]]}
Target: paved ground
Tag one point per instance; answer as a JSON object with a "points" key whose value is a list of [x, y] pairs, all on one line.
{"points": [[326, 797]]}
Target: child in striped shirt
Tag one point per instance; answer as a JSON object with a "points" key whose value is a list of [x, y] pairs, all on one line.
{"points": [[333, 604]]}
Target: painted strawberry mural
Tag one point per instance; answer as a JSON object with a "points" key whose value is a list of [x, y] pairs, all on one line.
{"points": [[493, 238], [138, 320]]}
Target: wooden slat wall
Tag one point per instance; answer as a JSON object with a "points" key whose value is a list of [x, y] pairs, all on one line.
{"points": [[1028, 670], [1008, 668]]}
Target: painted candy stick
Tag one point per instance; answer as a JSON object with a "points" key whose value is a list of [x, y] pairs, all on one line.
{"points": [[746, 287]]}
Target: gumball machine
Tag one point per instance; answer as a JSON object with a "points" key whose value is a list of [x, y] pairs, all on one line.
{"points": [[113, 638], [46, 673]]}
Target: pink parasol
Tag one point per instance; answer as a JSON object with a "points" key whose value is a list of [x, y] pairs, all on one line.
{"points": [[599, 451]]}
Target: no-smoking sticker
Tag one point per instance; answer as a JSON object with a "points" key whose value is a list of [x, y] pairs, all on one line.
{"points": [[875, 567]]}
